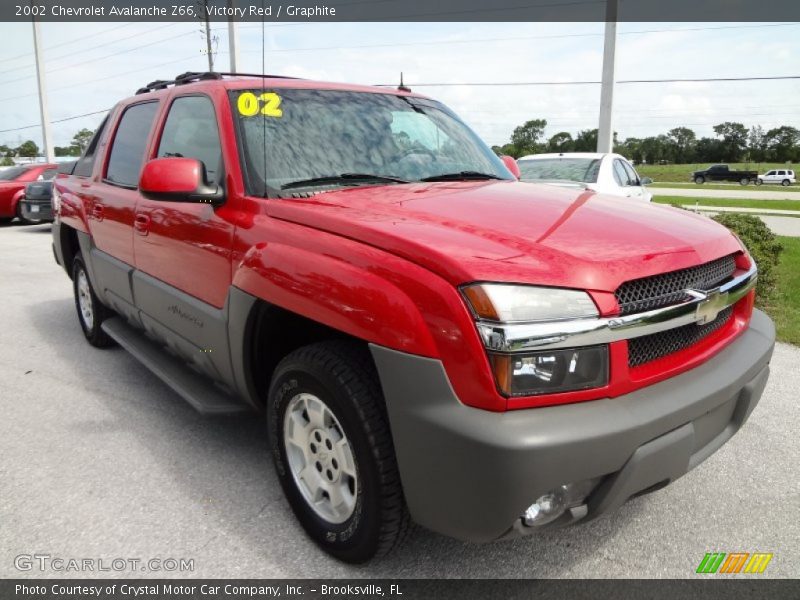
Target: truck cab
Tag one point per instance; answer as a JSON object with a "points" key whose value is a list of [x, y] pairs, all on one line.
{"points": [[427, 338]]}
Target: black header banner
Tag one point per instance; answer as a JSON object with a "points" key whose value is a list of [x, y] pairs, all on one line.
{"points": [[402, 10], [702, 588]]}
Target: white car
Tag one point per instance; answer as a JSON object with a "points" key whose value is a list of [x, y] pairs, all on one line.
{"points": [[610, 174], [777, 176]]}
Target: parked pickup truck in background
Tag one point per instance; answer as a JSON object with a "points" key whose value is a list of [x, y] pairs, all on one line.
{"points": [[723, 173], [428, 338]]}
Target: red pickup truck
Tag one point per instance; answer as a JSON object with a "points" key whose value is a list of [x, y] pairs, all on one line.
{"points": [[428, 338]]}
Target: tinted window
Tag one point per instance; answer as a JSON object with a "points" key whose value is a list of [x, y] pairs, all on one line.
{"points": [[191, 132], [127, 153], [12, 173], [85, 164], [781, 172], [620, 175], [48, 174], [633, 178]]}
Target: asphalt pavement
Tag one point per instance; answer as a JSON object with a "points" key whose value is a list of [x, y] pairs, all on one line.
{"points": [[100, 460]]}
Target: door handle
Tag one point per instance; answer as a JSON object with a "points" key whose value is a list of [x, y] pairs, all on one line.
{"points": [[98, 211], [142, 224]]}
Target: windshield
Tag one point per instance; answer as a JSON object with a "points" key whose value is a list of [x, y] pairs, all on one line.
{"points": [[583, 170], [324, 134], [12, 173]]}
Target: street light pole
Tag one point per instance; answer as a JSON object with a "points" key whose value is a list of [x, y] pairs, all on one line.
{"points": [[233, 41], [605, 132], [47, 138]]}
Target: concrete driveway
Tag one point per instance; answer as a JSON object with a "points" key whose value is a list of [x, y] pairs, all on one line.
{"points": [[99, 459], [744, 192]]}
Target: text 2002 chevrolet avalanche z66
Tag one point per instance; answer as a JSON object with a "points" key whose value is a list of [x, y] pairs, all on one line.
{"points": [[429, 339]]}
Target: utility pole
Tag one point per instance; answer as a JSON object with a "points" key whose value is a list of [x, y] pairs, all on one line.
{"points": [[47, 138], [233, 41], [605, 132]]}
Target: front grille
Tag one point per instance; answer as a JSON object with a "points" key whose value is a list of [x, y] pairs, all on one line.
{"points": [[665, 289], [643, 349]]}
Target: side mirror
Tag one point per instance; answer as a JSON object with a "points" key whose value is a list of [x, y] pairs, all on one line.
{"points": [[179, 180], [645, 181], [511, 165]]}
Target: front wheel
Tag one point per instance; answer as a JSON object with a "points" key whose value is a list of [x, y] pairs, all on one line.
{"points": [[699, 179], [333, 450], [759, 182], [91, 312], [785, 183]]}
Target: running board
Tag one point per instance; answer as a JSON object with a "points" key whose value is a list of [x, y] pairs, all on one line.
{"points": [[205, 397]]}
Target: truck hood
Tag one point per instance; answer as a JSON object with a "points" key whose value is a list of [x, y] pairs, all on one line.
{"points": [[516, 232]]}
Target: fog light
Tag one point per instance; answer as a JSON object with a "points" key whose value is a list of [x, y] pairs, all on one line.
{"points": [[548, 507]]}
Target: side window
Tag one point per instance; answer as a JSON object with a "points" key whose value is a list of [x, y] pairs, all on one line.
{"points": [[127, 153], [770, 173], [620, 175], [85, 164], [633, 178], [191, 132], [781, 172]]}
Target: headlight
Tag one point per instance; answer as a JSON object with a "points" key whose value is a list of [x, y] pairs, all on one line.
{"points": [[551, 371], [547, 371], [513, 303]]}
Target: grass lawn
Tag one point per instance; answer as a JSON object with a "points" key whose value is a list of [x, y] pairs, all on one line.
{"points": [[681, 173], [733, 202], [726, 186], [784, 308]]}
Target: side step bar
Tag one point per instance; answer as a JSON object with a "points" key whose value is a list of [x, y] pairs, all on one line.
{"points": [[197, 390]]}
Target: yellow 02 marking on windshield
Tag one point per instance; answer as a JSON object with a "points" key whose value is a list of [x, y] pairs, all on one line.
{"points": [[267, 103]]}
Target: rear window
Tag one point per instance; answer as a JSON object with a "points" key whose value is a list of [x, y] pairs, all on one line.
{"points": [[127, 153], [12, 173], [583, 170]]}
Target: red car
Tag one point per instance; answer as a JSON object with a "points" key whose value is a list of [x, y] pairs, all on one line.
{"points": [[12, 187], [428, 337]]}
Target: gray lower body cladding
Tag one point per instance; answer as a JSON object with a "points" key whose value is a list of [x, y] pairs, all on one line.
{"points": [[470, 473]]}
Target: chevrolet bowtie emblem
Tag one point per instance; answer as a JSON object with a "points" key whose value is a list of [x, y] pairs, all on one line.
{"points": [[710, 305]]}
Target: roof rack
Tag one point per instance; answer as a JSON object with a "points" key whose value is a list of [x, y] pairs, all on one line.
{"points": [[192, 76]]}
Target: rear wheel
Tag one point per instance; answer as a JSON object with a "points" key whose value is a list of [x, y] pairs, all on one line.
{"points": [[23, 220], [744, 181], [785, 183], [91, 312], [333, 450], [699, 179]]}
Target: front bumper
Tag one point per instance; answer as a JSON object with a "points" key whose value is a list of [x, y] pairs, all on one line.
{"points": [[36, 210], [470, 473]]}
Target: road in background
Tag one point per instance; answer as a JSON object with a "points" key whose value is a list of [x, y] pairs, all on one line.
{"points": [[100, 459], [751, 193]]}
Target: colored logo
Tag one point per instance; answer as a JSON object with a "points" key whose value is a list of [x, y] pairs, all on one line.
{"points": [[734, 562]]}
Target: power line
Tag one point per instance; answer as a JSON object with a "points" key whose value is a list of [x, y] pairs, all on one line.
{"points": [[535, 83], [89, 114]]}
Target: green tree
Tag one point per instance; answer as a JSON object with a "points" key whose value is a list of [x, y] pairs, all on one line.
{"points": [[82, 139], [560, 142], [586, 141], [681, 141], [526, 137], [28, 149], [757, 143], [783, 143], [6, 162], [709, 150], [734, 140]]}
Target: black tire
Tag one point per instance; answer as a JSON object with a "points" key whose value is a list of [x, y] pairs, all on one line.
{"points": [[700, 179], [786, 183], [759, 182], [744, 181], [341, 373], [22, 220], [91, 330], [6, 220]]}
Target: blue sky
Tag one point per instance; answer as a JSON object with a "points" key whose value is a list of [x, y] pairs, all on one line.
{"points": [[91, 66]]}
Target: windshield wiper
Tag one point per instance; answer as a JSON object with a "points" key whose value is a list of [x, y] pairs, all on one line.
{"points": [[342, 178], [461, 176]]}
